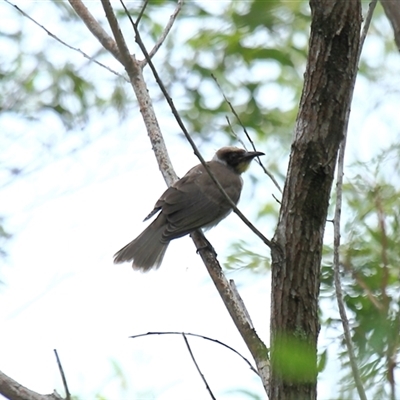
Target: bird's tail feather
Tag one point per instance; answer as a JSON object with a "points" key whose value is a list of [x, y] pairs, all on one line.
{"points": [[147, 250]]}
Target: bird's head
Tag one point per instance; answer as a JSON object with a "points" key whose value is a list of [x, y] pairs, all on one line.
{"points": [[236, 158]]}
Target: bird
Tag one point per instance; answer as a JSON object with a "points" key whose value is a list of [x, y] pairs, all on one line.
{"points": [[191, 203]]}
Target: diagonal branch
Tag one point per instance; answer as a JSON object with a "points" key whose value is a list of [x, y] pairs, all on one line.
{"points": [[126, 59], [201, 337], [139, 86], [98, 32], [12, 390], [246, 132], [64, 379], [392, 11], [197, 367], [165, 33], [52, 35], [141, 12]]}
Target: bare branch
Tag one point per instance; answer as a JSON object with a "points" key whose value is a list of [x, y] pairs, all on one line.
{"points": [[141, 11], [336, 228], [238, 314], [139, 87], [367, 23], [338, 285], [201, 337], [126, 58], [246, 132], [12, 390], [197, 367], [52, 35], [99, 33], [164, 35], [64, 380], [241, 302], [392, 11]]}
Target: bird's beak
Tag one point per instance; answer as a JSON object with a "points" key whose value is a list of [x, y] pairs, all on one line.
{"points": [[249, 155]]}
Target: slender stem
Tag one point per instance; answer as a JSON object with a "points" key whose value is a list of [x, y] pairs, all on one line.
{"points": [[197, 366], [64, 380], [338, 210]]}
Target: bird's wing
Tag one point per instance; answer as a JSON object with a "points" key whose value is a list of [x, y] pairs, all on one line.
{"points": [[195, 201]]}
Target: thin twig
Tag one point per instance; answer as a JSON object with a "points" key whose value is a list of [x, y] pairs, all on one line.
{"points": [[246, 132], [197, 367], [139, 41], [64, 380], [141, 11], [336, 228], [201, 337], [165, 33], [234, 133], [337, 279], [367, 23], [126, 58], [52, 35]]}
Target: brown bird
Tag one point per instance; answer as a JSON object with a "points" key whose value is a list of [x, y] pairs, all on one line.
{"points": [[192, 202]]}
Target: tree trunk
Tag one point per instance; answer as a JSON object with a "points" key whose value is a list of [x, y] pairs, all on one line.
{"points": [[320, 126]]}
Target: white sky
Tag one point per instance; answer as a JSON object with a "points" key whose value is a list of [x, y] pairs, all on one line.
{"points": [[63, 292]]}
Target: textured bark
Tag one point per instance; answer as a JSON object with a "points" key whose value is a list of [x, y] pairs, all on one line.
{"points": [[321, 123], [13, 390]]}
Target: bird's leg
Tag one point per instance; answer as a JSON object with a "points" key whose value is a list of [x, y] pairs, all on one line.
{"points": [[208, 246]]}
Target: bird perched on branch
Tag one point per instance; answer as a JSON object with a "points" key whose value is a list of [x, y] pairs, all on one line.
{"points": [[192, 202]]}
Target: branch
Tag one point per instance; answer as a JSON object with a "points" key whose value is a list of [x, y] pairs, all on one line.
{"points": [[336, 229], [64, 380], [197, 367], [165, 33], [12, 390], [126, 59], [139, 87], [236, 309], [52, 35], [141, 12], [201, 337], [102, 36], [246, 132], [392, 11], [338, 285]]}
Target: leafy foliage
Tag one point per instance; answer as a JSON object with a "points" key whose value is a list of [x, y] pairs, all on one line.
{"points": [[370, 263]]}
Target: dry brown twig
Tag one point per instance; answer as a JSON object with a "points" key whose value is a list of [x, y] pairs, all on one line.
{"points": [[197, 366]]}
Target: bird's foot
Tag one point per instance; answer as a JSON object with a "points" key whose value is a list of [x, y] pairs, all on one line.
{"points": [[208, 246]]}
